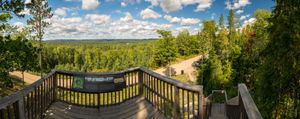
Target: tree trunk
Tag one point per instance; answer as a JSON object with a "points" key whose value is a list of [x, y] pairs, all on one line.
{"points": [[41, 49], [23, 78]]}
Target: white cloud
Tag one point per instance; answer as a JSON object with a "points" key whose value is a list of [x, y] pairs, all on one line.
{"points": [[239, 11], [60, 12], [175, 5], [24, 12], [244, 16], [189, 21], [170, 5], [249, 21], [183, 28], [149, 14], [71, 20], [27, 1], [128, 17], [124, 28], [237, 4], [123, 4], [98, 19], [153, 2], [90, 4], [172, 19], [182, 20], [18, 24]]}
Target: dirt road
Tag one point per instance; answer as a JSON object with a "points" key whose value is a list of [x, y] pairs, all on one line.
{"points": [[29, 78], [185, 65]]}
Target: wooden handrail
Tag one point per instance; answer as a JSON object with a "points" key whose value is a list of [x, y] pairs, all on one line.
{"points": [[249, 109], [5, 101], [154, 74], [176, 83]]}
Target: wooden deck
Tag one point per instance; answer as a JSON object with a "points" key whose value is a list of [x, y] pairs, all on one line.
{"points": [[137, 108], [218, 111]]}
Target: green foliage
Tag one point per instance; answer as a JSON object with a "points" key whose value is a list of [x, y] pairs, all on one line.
{"points": [[166, 50], [280, 69], [216, 75], [8, 8], [98, 56], [221, 21], [16, 52], [187, 44], [264, 55]]}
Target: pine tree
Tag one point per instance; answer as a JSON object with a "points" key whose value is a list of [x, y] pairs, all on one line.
{"points": [[40, 12], [221, 21]]}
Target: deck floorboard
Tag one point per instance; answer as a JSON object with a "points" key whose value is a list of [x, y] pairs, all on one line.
{"points": [[136, 108]]}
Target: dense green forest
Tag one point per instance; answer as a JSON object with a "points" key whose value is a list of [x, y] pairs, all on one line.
{"points": [[98, 56], [264, 55], [104, 56]]}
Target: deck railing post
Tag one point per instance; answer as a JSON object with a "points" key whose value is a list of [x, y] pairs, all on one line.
{"points": [[21, 109], [200, 103], [176, 110], [140, 74], [55, 87]]}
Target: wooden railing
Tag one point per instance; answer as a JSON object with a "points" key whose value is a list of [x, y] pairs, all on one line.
{"points": [[32, 101], [173, 98], [245, 108], [67, 94]]}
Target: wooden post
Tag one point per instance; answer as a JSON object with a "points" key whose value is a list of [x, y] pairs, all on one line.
{"points": [[176, 110], [98, 101], [140, 74], [21, 109], [55, 91], [200, 102]]}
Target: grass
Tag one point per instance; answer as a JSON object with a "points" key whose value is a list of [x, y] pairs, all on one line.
{"points": [[17, 85], [183, 78]]}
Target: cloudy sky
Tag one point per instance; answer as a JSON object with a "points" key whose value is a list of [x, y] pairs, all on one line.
{"points": [[137, 19]]}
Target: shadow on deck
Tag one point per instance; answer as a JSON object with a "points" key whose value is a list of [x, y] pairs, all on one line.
{"points": [[136, 108]]}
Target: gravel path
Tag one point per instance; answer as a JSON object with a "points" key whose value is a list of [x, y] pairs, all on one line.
{"points": [[29, 78], [185, 65]]}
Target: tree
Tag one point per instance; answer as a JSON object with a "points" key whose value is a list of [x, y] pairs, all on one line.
{"points": [[279, 74], [221, 44], [233, 34], [8, 8], [183, 42], [166, 50], [221, 21], [208, 34], [231, 21], [40, 12], [15, 50]]}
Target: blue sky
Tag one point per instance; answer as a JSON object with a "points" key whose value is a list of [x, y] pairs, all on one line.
{"points": [[136, 19]]}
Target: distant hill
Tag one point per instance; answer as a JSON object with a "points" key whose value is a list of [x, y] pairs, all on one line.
{"points": [[98, 40]]}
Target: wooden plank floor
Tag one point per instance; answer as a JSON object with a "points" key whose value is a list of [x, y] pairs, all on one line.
{"points": [[137, 108], [218, 111]]}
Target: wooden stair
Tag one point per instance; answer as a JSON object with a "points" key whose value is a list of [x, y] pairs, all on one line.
{"points": [[136, 108]]}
